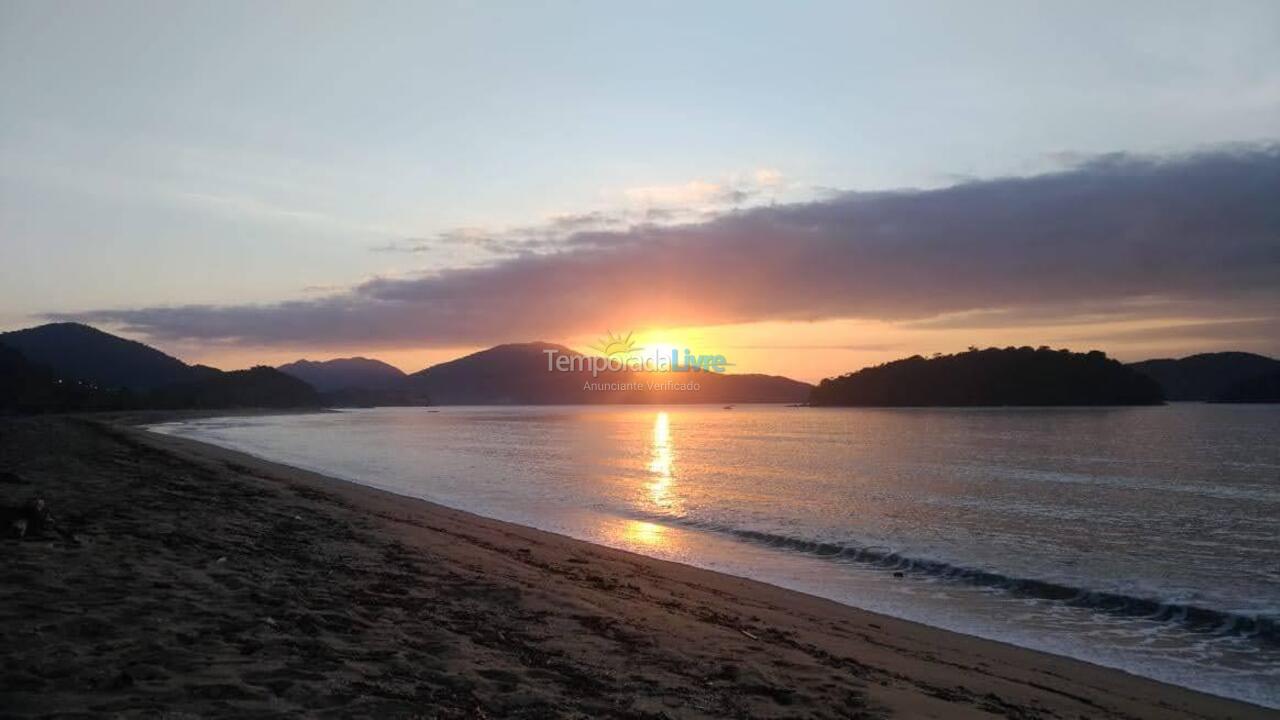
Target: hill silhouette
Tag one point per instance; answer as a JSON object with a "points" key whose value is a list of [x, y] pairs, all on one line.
{"points": [[80, 352], [261, 386], [1207, 376], [1009, 376], [86, 368], [357, 382], [354, 373], [70, 366], [65, 367], [517, 374]]}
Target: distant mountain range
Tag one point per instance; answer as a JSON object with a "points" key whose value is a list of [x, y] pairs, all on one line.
{"points": [[357, 382], [354, 373], [995, 376], [517, 374], [69, 366], [1223, 376]]}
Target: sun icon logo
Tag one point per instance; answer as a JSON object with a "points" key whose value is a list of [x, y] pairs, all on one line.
{"points": [[611, 344]]}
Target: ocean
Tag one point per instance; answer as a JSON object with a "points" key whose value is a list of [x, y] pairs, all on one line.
{"points": [[1146, 539]]}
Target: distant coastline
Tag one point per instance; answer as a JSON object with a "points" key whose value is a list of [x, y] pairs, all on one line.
{"points": [[69, 367]]}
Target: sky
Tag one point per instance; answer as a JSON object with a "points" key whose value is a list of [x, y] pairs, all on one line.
{"points": [[807, 188]]}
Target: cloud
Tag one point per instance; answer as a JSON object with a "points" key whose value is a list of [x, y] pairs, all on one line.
{"points": [[659, 205], [857, 347], [1223, 331], [1196, 232], [733, 191], [1109, 309], [697, 192], [767, 177]]}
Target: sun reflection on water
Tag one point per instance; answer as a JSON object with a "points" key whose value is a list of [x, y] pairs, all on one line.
{"points": [[643, 533], [662, 465]]}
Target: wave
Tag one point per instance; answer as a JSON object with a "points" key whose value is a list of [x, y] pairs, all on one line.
{"points": [[1202, 619]]}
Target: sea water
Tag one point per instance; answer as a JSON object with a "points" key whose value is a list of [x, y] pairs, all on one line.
{"points": [[1146, 539]]}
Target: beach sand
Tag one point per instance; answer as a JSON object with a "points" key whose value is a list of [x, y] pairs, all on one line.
{"points": [[181, 579]]}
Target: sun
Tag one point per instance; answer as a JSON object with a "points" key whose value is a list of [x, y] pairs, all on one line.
{"points": [[661, 349], [661, 343]]}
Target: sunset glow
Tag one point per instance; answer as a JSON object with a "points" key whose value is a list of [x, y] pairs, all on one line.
{"points": [[802, 243]]}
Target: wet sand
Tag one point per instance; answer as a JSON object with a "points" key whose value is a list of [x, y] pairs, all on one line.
{"points": [[179, 579]]}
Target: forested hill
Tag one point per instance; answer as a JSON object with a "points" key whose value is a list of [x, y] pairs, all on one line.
{"points": [[995, 376]]}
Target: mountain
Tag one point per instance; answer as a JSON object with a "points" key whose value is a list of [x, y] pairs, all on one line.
{"points": [[69, 367], [355, 373], [29, 388], [502, 375], [79, 352], [1009, 376], [1207, 376], [518, 374], [259, 387]]}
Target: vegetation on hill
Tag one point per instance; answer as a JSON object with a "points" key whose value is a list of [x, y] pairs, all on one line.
{"points": [[1207, 376], [995, 376]]}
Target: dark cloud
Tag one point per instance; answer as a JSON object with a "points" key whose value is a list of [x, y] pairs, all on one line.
{"points": [[1199, 231], [856, 347], [1243, 303]]}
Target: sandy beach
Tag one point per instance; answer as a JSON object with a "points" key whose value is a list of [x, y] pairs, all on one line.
{"points": [[178, 579]]}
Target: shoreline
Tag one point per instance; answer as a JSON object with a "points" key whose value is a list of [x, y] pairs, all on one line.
{"points": [[408, 604]]}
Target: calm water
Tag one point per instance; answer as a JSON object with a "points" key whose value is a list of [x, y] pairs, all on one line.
{"points": [[1141, 538]]}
